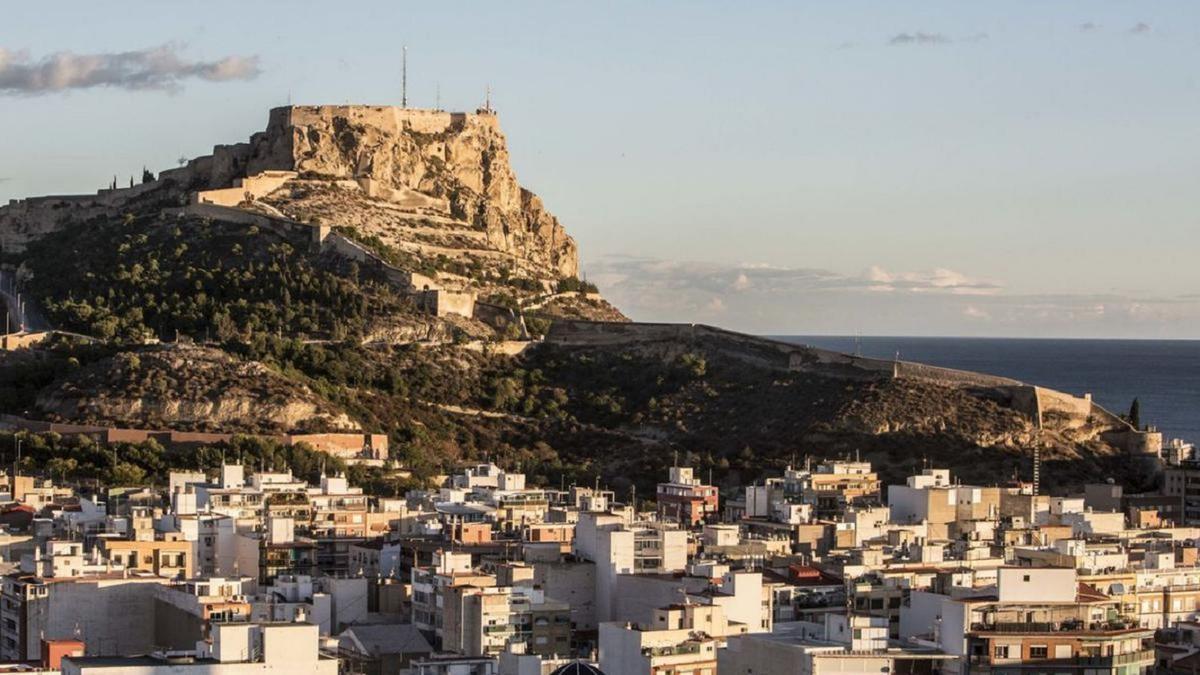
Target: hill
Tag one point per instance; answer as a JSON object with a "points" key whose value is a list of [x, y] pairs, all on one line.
{"points": [[376, 268]]}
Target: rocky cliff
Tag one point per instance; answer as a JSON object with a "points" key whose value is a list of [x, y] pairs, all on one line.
{"points": [[451, 168], [453, 165], [187, 387]]}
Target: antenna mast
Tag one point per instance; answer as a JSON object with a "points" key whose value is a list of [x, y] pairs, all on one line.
{"points": [[404, 77]]}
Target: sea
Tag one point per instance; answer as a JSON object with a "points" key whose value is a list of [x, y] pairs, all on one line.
{"points": [[1164, 375]]}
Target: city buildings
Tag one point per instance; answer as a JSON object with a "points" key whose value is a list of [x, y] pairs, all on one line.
{"points": [[817, 570]]}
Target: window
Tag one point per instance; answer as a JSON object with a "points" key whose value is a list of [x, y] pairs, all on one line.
{"points": [[1037, 652], [1026, 577], [1001, 652]]}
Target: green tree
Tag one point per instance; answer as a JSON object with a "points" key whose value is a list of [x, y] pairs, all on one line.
{"points": [[1135, 413]]}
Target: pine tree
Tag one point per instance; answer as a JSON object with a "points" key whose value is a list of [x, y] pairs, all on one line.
{"points": [[1135, 413]]}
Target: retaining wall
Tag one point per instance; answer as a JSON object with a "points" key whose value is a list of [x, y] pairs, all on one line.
{"points": [[344, 445], [245, 189], [13, 341]]}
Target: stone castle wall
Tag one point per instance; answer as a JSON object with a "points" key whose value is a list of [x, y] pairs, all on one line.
{"points": [[427, 291], [245, 189], [764, 351], [344, 445], [387, 118]]}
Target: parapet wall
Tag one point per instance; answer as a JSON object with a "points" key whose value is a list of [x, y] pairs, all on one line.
{"points": [[387, 118], [245, 189], [343, 445], [762, 351], [25, 220], [14, 341]]}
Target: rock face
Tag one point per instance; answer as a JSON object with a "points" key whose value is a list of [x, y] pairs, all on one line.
{"points": [[430, 160], [188, 388], [454, 165]]}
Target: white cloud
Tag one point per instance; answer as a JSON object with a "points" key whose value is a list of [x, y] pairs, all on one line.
{"points": [[770, 299], [936, 280], [154, 68], [919, 38]]}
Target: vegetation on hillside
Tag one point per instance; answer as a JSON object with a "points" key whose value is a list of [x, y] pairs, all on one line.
{"points": [[146, 277]]}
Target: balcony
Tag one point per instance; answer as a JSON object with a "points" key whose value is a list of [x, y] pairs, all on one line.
{"points": [[1050, 627], [983, 664], [673, 650]]}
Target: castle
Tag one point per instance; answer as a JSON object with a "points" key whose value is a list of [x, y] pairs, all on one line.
{"points": [[434, 164]]}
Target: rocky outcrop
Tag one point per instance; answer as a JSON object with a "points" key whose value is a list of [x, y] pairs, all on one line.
{"points": [[188, 388], [424, 158], [432, 163]]}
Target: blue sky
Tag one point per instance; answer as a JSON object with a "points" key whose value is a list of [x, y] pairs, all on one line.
{"points": [[961, 168]]}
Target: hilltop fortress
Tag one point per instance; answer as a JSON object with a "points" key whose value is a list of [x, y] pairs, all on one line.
{"points": [[436, 187], [426, 163]]}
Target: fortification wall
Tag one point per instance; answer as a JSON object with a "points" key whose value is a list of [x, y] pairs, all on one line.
{"points": [[25, 220], [245, 189], [384, 117], [344, 445], [13, 341], [767, 352], [441, 302], [281, 226], [372, 446], [922, 371], [429, 295]]}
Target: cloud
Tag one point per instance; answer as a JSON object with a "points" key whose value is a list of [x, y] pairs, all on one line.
{"points": [[919, 38], [780, 300], [938, 280], [1141, 28], [973, 312], [716, 278], [1089, 27], [154, 68], [742, 282]]}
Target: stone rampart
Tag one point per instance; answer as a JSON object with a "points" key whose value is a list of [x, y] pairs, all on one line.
{"points": [[13, 341], [922, 371], [441, 302], [245, 189], [344, 445], [426, 290], [24, 220], [388, 118]]}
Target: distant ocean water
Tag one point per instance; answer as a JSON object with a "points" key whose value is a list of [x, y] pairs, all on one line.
{"points": [[1163, 374]]}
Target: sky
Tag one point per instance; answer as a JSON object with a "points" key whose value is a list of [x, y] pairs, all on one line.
{"points": [[1008, 168]]}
